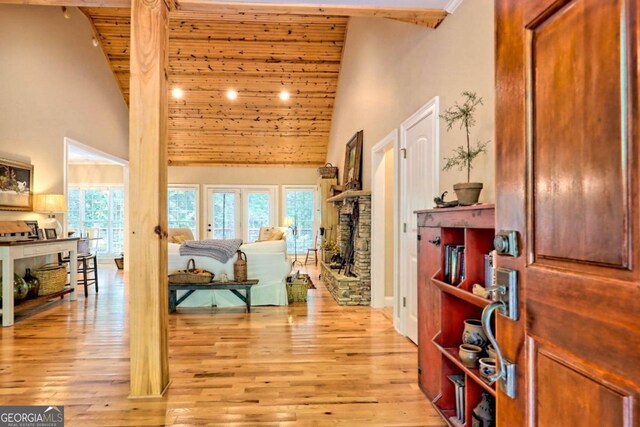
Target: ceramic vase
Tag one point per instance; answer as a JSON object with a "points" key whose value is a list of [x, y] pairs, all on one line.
{"points": [[484, 414], [491, 352], [487, 367], [469, 354], [473, 333]]}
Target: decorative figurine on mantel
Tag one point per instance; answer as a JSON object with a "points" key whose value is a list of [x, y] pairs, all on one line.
{"points": [[440, 203]]}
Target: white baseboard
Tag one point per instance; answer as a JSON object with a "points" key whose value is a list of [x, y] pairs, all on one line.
{"points": [[388, 301]]}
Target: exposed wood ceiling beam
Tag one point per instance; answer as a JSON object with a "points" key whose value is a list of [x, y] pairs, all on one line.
{"points": [[426, 17], [420, 16]]}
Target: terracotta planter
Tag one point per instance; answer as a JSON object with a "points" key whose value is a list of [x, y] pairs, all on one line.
{"points": [[468, 193]]}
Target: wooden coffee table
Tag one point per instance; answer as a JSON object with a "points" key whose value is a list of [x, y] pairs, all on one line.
{"points": [[234, 287]]}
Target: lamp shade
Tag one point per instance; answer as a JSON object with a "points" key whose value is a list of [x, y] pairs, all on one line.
{"points": [[288, 221], [49, 203]]}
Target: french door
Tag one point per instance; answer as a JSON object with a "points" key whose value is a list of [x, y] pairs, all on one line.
{"points": [[239, 212]]}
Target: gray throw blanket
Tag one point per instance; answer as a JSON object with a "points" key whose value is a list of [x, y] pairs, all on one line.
{"points": [[220, 250]]}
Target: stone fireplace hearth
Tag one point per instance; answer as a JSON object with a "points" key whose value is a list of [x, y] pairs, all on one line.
{"points": [[353, 229]]}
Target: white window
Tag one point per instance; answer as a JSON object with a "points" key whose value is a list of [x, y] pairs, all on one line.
{"points": [[300, 210], [183, 207], [99, 212]]}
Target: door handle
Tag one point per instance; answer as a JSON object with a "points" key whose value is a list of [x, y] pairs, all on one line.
{"points": [[506, 371]]}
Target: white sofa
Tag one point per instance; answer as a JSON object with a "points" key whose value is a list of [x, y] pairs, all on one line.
{"points": [[266, 262]]}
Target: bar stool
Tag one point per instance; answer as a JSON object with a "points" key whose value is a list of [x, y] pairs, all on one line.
{"points": [[87, 265]]}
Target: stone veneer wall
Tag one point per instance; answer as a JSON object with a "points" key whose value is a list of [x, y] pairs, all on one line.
{"points": [[353, 290]]}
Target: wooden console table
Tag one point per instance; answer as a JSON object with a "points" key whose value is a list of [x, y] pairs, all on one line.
{"points": [[192, 287], [11, 251]]}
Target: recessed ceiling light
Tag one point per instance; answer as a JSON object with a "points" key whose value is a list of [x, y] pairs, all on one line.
{"points": [[95, 42], [177, 93], [284, 95], [232, 94]]}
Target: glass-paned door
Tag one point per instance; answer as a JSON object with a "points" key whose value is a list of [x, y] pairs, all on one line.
{"points": [[300, 207], [239, 212], [259, 212], [224, 213]]}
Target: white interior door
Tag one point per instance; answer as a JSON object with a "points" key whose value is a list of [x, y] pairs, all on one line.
{"points": [[224, 213], [419, 168]]}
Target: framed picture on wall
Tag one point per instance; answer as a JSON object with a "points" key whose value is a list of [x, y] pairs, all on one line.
{"points": [[352, 173], [16, 186]]}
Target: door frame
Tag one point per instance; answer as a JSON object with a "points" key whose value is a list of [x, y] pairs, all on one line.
{"points": [[432, 107], [378, 219]]}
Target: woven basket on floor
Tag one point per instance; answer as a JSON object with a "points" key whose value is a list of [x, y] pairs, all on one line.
{"points": [[52, 278], [297, 288]]}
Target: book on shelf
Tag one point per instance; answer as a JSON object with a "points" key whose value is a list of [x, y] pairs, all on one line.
{"points": [[458, 383], [454, 265]]}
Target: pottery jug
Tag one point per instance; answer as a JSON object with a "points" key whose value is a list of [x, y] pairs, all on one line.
{"points": [[484, 414], [32, 283], [240, 267], [469, 354], [487, 367], [473, 333]]}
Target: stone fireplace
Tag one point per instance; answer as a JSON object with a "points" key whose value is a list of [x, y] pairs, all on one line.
{"points": [[353, 232]]}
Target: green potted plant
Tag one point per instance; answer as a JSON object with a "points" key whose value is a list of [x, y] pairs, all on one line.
{"points": [[463, 157]]}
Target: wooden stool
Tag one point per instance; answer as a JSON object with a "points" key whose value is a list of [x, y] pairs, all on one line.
{"points": [[314, 249], [87, 265]]}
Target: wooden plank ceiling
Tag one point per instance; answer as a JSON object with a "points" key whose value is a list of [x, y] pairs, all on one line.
{"points": [[256, 54]]}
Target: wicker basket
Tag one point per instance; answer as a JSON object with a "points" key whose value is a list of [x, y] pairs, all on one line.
{"points": [[297, 289], [191, 274], [52, 278], [328, 171]]}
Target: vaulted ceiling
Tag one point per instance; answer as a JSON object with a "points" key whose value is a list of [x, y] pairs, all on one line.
{"points": [[256, 54]]}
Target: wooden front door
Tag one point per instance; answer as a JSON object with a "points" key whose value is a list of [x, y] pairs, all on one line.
{"points": [[567, 181]]}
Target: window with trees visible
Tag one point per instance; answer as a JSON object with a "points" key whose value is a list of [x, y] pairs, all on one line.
{"points": [[300, 206], [182, 207], [99, 213]]}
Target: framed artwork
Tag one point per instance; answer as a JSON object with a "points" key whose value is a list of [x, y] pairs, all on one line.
{"points": [[352, 173], [33, 225], [50, 233], [16, 186]]}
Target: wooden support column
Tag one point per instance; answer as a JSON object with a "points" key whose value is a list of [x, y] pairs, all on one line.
{"points": [[148, 291]]}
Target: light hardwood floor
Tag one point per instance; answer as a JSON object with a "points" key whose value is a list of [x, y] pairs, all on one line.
{"points": [[306, 364]]}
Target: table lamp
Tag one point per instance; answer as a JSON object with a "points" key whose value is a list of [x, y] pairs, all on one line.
{"points": [[50, 204]]}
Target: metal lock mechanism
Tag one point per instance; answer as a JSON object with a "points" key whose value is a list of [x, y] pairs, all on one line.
{"points": [[506, 243]]}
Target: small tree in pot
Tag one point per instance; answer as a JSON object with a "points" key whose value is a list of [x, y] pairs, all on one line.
{"points": [[464, 114]]}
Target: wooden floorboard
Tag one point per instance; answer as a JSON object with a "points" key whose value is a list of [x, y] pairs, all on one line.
{"points": [[306, 364]]}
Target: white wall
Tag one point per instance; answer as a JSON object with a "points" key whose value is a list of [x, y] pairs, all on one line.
{"points": [[221, 175], [390, 69], [95, 174], [55, 84]]}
